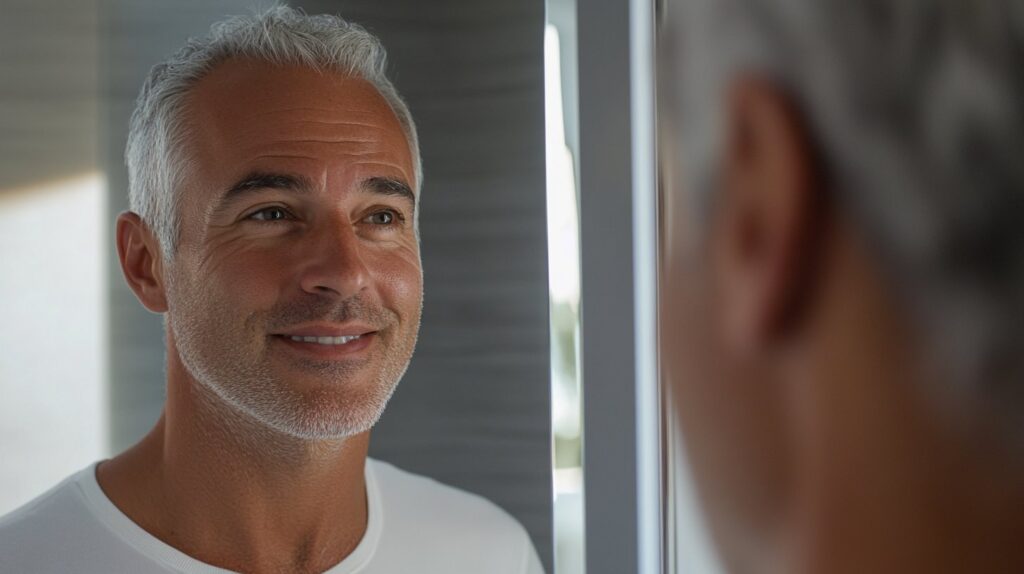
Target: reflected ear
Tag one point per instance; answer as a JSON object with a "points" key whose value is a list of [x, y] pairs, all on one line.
{"points": [[139, 253], [769, 218]]}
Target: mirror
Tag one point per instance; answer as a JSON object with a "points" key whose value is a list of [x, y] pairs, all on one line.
{"points": [[82, 368]]}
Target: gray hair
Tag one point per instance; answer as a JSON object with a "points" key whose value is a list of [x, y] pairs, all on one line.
{"points": [[918, 108], [281, 35]]}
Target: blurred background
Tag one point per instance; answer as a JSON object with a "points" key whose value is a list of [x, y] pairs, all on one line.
{"points": [[491, 402]]}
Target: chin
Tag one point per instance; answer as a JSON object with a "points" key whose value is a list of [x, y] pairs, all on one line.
{"points": [[333, 411], [319, 424]]}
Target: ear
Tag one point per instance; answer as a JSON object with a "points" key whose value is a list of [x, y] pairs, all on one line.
{"points": [[139, 252], [769, 218]]}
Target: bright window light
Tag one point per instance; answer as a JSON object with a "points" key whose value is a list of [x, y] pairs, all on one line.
{"points": [[564, 287], [53, 410]]}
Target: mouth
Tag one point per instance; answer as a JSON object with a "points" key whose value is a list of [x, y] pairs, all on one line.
{"points": [[321, 346], [342, 340]]}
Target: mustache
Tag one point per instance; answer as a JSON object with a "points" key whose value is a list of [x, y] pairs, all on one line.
{"points": [[314, 308]]}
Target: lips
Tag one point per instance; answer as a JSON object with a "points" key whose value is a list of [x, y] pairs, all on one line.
{"points": [[340, 340], [325, 333]]}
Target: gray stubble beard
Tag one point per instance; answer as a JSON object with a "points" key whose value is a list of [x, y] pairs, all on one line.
{"points": [[246, 391]]}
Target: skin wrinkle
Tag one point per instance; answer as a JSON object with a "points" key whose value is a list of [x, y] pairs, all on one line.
{"points": [[348, 147], [356, 153], [287, 110], [300, 156], [334, 124], [355, 141]]}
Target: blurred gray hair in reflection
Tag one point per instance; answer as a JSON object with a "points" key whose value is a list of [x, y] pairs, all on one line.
{"points": [[918, 109], [155, 156]]}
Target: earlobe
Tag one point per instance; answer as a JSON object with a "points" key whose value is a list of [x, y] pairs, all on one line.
{"points": [[770, 217], [141, 263]]}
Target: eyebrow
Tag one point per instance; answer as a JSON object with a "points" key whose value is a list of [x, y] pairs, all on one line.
{"points": [[258, 181], [390, 186]]}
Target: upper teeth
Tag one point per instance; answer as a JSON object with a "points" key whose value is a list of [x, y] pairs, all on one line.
{"points": [[325, 340]]}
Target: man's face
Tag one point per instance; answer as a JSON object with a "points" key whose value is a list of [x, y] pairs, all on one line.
{"points": [[296, 288]]}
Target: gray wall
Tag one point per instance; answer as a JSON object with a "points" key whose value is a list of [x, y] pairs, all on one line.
{"points": [[47, 91], [474, 409]]}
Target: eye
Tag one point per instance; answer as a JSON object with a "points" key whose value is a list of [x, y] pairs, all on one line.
{"points": [[381, 218], [271, 214]]}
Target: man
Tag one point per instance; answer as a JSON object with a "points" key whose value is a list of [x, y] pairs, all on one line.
{"points": [[847, 280], [274, 182]]}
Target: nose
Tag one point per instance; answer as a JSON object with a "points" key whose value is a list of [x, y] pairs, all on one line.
{"points": [[334, 263]]}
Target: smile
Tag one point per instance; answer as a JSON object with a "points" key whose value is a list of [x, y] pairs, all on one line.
{"points": [[343, 340], [330, 347]]}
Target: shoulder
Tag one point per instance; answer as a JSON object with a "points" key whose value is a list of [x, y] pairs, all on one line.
{"points": [[54, 519], [449, 522], [40, 510], [73, 527]]}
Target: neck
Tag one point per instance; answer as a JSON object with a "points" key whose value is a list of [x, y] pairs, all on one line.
{"points": [[890, 499], [888, 478], [230, 491]]}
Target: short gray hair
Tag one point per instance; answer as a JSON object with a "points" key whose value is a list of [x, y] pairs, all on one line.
{"points": [[918, 108], [281, 35]]}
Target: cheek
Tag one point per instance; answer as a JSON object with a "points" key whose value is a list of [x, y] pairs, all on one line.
{"points": [[399, 281], [245, 280]]}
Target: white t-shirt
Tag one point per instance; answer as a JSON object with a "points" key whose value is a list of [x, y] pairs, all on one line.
{"points": [[415, 525]]}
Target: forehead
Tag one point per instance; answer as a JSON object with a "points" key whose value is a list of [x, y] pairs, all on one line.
{"points": [[244, 110]]}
